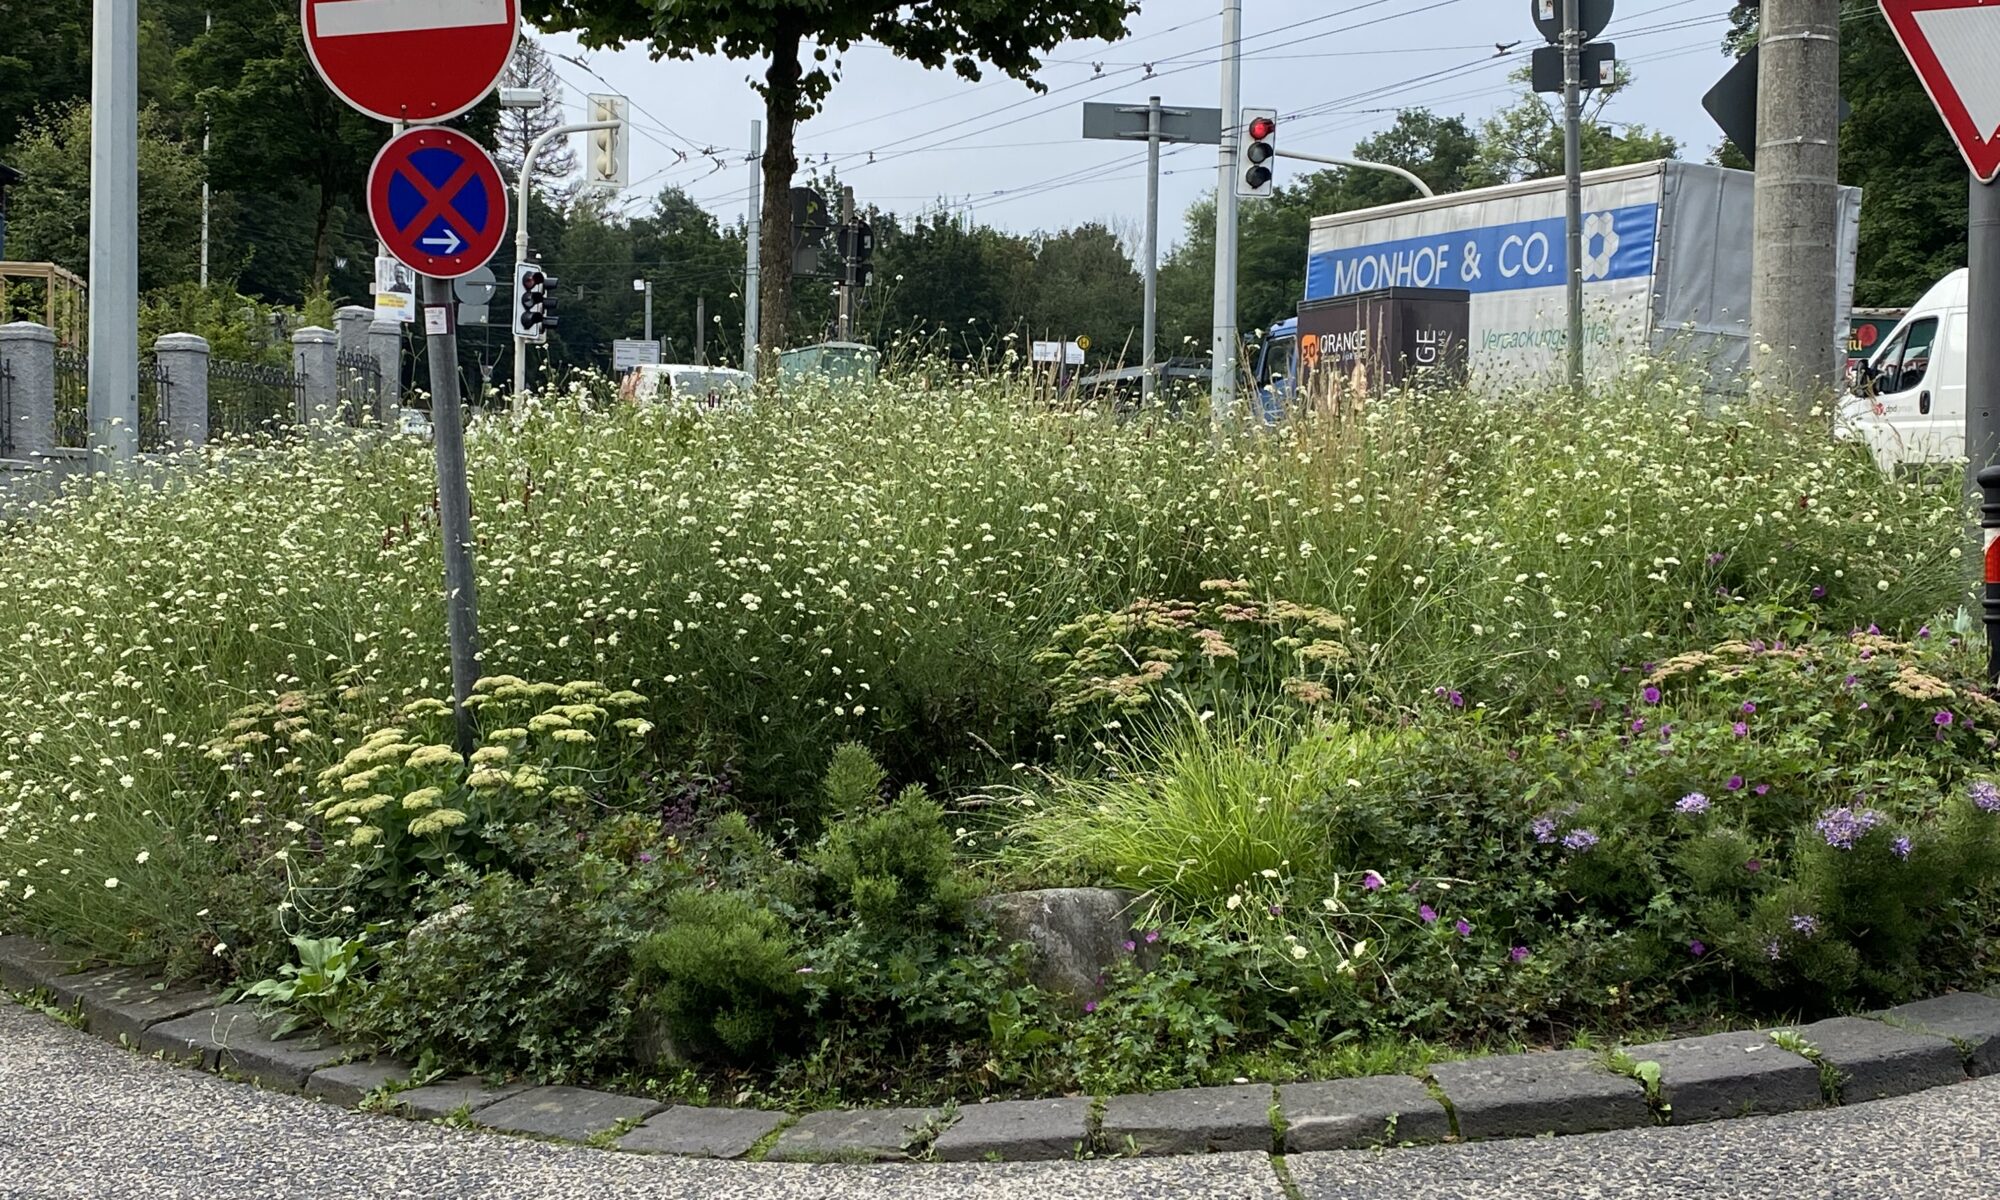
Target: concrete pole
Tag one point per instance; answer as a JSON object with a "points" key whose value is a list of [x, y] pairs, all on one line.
{"points": [[461, 590], [843, 320], [1572, 47], [649, 310], [1796, 227], [1222, 380], [1982, 361], [1150, 324], [207, 23], [701, 330], [753, 279], [114, 229]]}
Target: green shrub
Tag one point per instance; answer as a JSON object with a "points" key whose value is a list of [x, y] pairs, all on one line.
{"points": [[722, 977], [895, 870]]}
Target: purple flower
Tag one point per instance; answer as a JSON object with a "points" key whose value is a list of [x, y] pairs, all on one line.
{"points": [[1580, 839], [1696, 949], [1450, 696], [1152, 935], [1985, 795], [1761, 788], [1638, 725], [1715, 558], [1544, 829], [1754, 865], [1818, 593], [1740, 729], [1805, 924], [1370, 881], [1924, 631], [1519, 954], [1131, 946], [1651, 695], [1735, 783], [1850, 681], [1900, 847], [1773, 951], [1748, 708], [1842, 827], [1463, 926], [1276, 909], [1090, 1006], [1428, 913], [1693, 804], [1944, 717], [645, 857]]}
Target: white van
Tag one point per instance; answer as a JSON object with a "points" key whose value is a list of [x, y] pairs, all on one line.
{"points": [[689, 383], [1908, 401]]}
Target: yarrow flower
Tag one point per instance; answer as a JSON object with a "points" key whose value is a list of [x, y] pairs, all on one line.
{"points": [[1580, 839], [1985, 795], [1693, 804], [1842, 827]]}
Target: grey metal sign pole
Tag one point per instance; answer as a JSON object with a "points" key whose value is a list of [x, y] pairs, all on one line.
{"points": [[1982, 353], [1224, 342], [1147, 382], [461, 591], [114, 228], [1572, 48]]}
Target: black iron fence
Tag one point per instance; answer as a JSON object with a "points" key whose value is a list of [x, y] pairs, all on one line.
{"points": [[72, 399], [152, 405], [247, 399], [6, 409], [358, 386]]}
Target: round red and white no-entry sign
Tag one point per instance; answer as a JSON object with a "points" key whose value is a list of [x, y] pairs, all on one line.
{"points": [[410, 60]]}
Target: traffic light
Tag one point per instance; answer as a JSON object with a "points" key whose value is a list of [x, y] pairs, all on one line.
{"points": [[609, 162], [857, 253], [531, 302], [1255, 150]]}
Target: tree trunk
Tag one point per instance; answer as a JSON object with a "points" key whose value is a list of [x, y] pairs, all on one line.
{"points": [[774, 294]]}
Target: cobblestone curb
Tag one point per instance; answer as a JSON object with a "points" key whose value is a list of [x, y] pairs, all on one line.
{"points": [[1913, 1047]]}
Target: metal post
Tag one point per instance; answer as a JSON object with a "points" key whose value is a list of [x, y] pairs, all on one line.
{"points": [[461, 593], [1572, 48], [114, 229], [701, 330], [1151, 322], [1982, 354], [752, 277], [649, 310], [521, 229], [1423, 189], [1223, 349], [207, 24], [1795, 231], [843, 320]]}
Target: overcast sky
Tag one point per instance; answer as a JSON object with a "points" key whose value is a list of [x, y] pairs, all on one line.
{"points": [[1337, 69]]}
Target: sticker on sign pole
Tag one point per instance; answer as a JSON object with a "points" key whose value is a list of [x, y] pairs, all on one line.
{"points": [[437, 202], [410, 60], [1954, 44]]}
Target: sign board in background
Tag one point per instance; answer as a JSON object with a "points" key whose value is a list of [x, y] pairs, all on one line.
{"points": [[1126, 122], [627, 353], [1068, 353], [395, 291]]}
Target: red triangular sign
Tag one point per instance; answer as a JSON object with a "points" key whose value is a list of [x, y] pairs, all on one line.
{"points": [[1955, 47]]}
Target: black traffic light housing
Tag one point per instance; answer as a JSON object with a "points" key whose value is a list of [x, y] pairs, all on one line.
{"points": [[1256, 151]]}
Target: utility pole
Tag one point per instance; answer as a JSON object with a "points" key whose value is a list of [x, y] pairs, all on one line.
{"points": [[1794, 260], [1222, 380], [843, 321], [461, 590], [207, 24], [701, 330], [646, 286], [1572, 51], [114, 229], [1147, 383], [753, 280]]}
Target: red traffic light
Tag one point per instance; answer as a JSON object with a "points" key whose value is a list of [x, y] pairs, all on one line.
{"points": [[1263, 127]]}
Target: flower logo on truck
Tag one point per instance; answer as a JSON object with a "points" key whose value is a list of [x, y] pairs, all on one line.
{"points": [[1600, 244]]}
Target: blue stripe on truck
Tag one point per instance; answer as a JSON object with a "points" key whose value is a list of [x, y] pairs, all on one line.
{"points": [[1617, 244]]}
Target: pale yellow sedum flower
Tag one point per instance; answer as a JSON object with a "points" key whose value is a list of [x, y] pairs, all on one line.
{"points": [[422, 798]]}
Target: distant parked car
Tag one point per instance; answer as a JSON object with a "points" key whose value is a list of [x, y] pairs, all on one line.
{"points": [[415, 422], [689, 383]]}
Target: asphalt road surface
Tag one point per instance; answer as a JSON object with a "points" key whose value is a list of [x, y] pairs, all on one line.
{"points": [[84, 1120]]}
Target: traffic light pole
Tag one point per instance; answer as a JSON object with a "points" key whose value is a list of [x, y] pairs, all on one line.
{"points": [[1223, 348], [521, 231], [1362, 164], [1147, 383], [843, 321], [461, 590]]}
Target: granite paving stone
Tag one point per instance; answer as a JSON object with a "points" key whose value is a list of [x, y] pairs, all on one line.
{"points": [[1017, 1131], [1189, 1121], [861, 1135], [1730, 1075], [1350, 1114], [1525, 1095], [467, 1093], [122, 1002], [573, 1114], [1877, 1061], [349, 1083], [236, 1038], [1970, 1019], [27, 964], [702, 1132]]}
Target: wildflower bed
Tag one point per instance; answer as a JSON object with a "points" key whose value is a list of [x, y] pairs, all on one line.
{"points": [[1459, 723]]}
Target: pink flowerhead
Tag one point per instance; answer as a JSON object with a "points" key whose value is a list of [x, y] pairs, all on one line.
{"points": [[1519, 954], [1428, 913], [1370, 881], [1463, 926]]}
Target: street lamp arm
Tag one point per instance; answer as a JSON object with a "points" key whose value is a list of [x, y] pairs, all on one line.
{"points": [[1391, 168], [521, 226]]}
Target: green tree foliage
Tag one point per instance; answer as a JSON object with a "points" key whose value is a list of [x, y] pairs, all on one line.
{"points": [[519, 127], [1007, 34], [50, 209], [1525, 139]]}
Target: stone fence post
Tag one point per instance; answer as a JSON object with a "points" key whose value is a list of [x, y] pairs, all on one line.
{"points": [[29, 350], [385, 343], [313, 351], [183, 357], [350, 326]]}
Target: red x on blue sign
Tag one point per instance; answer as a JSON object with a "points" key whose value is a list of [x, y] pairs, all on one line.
{"points": [[437, 202]]}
